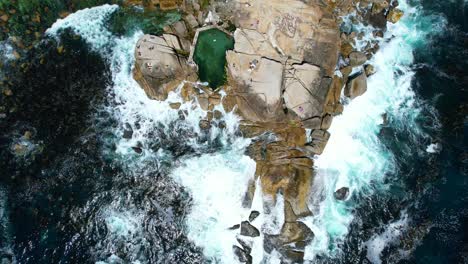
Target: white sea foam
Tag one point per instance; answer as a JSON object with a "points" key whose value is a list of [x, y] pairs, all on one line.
{"points": [[354, 156], [6, 51], [392, 233], [90, 24], [434, 148], [216, 182]]}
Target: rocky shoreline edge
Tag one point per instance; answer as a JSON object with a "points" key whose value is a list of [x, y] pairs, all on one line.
{"points": [[291, 62]]}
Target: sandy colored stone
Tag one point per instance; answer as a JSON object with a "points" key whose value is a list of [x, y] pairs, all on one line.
{"points": [[326, 121], [249, 41], [379, 5], [356, 86], [318, 143], [175, 105], [158, 68], [369, 70], [256, 90], [357, 58], [332, 103], [394, 15], [302, 84]]}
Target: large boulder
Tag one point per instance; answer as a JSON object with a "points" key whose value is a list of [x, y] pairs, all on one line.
{"points": [[332, 102], [356, 86], [379, 5], [159, 67], [394, 15], [256, 84], [303, 92]]}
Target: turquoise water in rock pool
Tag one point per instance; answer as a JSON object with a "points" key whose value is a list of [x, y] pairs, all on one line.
{"points": [[77, 192], [210, 56]]}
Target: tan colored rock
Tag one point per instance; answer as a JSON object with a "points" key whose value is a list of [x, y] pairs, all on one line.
{"points": [[326, 121], [379, 5], [252, 42], [346, 49], [191, 21], [346, 71], [180, 29], [319, 141], [332, 103], [20, 149], [168, 4], [256, 85], [357, 58], [394, 15], [204, 124], [369, 70], [302, 93], [356, 86], [292, 232], [313, 123], [295, 29], [217, 114], [158, 68], [175, 105]]}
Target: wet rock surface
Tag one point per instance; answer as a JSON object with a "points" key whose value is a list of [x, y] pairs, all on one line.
{"points": [[342, 193], [247, 229], [253, 215]]}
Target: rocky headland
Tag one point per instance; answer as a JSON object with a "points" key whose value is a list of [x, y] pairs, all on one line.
{"points": [[284, 76]]}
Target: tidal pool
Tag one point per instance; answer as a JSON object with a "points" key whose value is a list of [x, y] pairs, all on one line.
{"points": [[210, 56]]}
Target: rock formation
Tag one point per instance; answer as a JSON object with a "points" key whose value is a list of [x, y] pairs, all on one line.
{"points": [[290, 63]]}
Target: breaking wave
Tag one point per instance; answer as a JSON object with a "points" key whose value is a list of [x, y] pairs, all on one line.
{"points": [[355, 156]]}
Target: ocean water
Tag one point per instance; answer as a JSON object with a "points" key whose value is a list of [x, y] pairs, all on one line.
{"points": [[82, 194]]}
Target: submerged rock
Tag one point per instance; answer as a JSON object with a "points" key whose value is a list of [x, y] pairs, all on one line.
{"points": [[249, 230], [137, 150]]}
